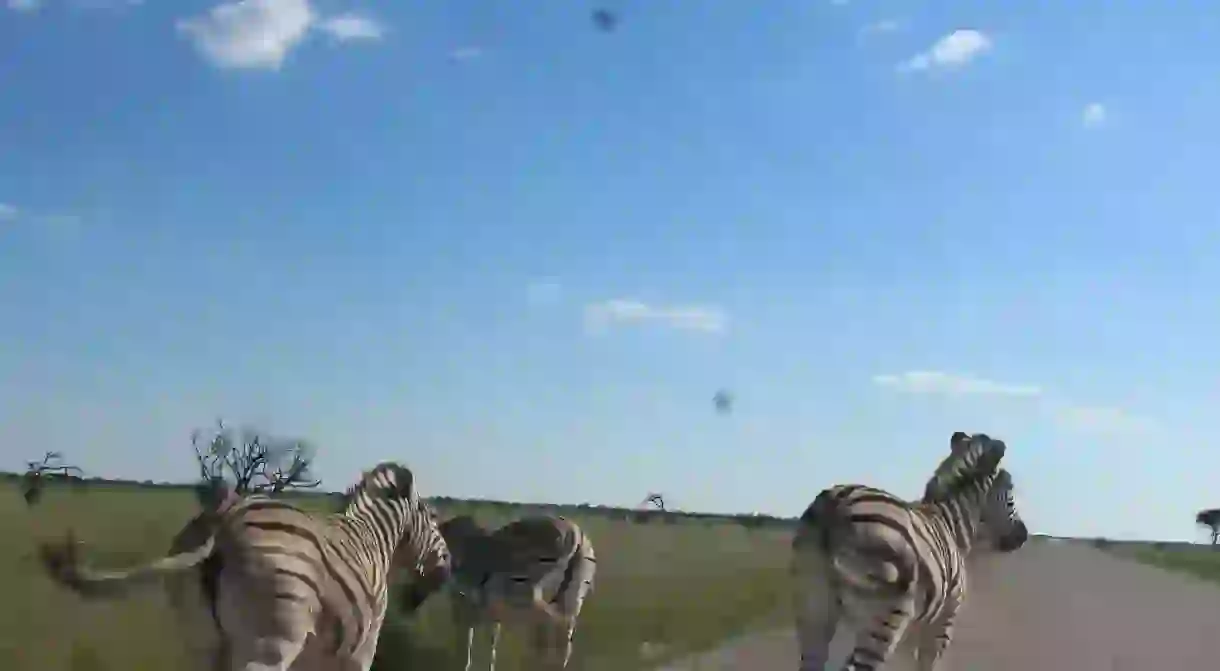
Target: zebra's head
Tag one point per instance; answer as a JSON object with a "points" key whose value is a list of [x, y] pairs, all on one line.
{"points": [[971, 475], [427, 559], [465, 537], [390, 488], [460, 529], [969, 457], [1001, 521], [389, 480]]}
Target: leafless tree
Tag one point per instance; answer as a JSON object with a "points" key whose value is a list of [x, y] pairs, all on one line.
{"points": [[37, 473], [654, 499], [1210, 518], [253, 463]]}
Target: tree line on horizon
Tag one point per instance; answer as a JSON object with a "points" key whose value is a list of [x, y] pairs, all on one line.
{"points": [[252, 462]]}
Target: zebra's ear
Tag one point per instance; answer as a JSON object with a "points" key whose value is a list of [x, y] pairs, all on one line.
{"points": [[989, 459], [404, 482], [958, 441]]}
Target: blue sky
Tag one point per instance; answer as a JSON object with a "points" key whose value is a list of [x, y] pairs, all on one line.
{"points": [[521, 255]]}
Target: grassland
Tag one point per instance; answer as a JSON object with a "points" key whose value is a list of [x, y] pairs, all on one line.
{"points": [[664, 587], [1200, 561]]}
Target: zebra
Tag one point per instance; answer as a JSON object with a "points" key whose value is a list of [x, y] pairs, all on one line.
{"points": [[287, 588], [535, 571], [869, 558]]}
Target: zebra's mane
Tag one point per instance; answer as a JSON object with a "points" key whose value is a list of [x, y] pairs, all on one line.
{"points": [[971, 459]]}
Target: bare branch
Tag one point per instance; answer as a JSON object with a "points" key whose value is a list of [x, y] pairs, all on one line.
{"points": [[38, 473], [253, 462], [654, 499]]}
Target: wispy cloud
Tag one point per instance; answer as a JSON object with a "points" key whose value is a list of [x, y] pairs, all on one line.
{"points": [[352, 28], [1104, 420], [953, 51], [260, 34], [951, 384], [466, 53], [622, 312], [24, 6], [1093, 115], [881, 27], [1075, 417]]}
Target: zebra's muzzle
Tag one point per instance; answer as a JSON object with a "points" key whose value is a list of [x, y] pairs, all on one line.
{"points": [[1014, 539]]}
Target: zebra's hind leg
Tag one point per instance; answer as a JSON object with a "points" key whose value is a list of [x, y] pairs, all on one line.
{"points": [[268, 653], [264, 632], [464, 624], [552, 644], [817, 608], [934, 639], [574, 587], [495, 643], [878, 638]]}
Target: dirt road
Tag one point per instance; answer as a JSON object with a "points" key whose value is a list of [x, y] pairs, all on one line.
{"points": [[1051, 607]]}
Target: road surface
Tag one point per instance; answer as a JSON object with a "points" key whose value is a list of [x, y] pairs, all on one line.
{"points": [[1049, 607]]}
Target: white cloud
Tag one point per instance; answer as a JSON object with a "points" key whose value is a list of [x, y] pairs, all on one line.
{"points": [[352, 28], [881, 27], [24, 6], [603, 315], [260, 34], [935, 382], [1104, 420], [257, 34], [1093, 115], [8, 212], [952, 51], [467, 53]]}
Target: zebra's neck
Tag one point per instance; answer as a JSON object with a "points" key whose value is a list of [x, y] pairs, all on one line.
{"points": [[383, 519], [962, 512]]}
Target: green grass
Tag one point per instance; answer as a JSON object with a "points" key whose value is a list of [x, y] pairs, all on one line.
{"points": [[1200, 561], [670, 587]]}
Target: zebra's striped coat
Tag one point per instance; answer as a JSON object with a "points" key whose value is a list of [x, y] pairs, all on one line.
{"points": [[882, 563], [287, 588], [536, 571]]}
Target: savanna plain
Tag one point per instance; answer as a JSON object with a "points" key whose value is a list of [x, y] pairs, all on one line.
{"points": [[668, 584]]}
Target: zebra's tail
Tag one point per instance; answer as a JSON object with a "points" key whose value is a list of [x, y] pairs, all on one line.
{"points": [[63, 564]]}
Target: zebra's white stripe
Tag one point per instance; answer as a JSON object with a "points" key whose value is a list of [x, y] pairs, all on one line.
{"points": [[866, 556], [536, 571], [283, 583]]}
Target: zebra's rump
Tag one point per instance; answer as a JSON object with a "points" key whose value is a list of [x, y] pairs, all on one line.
{"points": [[534, 543], [875, 541]]}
